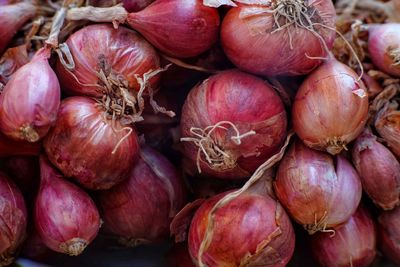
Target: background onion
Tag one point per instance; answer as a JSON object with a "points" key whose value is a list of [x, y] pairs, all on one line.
{"points": [[136, 5], [389, 234]]}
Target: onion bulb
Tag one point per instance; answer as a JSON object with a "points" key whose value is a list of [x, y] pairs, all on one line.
{"points": [[387, 124]]}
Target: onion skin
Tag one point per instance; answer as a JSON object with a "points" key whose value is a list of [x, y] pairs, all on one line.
{"points": [[315, 187], [250, 104], [379, 170], [82, 139], [382, 40], [250, 45], [29, 102], [140, 209], [12, 60], [123, 51], [136, 5], [13, 220], [66, 218], [330, 108], [353, 245], [10, 147], [240, 227], [389, 234], [194, 26], [387, 124]]}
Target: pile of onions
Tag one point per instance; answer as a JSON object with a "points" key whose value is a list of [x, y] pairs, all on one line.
{"points": [[66, 218], [379, 170], [30, 100], [231, 123], [384, 47], [354, 243], [330, 108], [389, 234], [256, 39], [13, 220], [140, 209], [318, 191]]}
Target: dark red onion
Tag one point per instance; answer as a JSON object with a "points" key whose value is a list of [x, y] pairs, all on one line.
{"points": [[330, 108], [29, 102], [318, 191], [232, 100], [10, 147], [11, 61], [251, 39], [352, 245], [84, 144], [389, 234], [140, 209], [136, 5], [13, 220], [379, 170], [66, 218], [179, 256]]}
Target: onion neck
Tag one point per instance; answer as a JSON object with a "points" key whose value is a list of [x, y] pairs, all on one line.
{"points": [[116, 14]]}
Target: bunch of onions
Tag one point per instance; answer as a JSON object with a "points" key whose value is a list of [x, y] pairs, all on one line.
{"points": [[231, 123], [252, 229], [140, 209], [354, 243], [384, 47], [66, 218], [379, 170], [318, 191], [389, 234], [273, 39], [30, 100], [13, 220], [330, 108]]}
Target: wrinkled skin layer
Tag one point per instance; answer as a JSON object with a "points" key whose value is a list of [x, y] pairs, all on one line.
{"points": [[389, 234]]}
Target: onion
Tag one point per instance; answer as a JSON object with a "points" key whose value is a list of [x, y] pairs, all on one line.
{"points": [[250, 230], [389, 234], [317, 190], [30, 100], [354, 244], [13, 220], [379, 170], [179, 256], [11, 61], [231, 123], [34, 248], [140, 209], [330, 108], [88, 145], [12, 18], [66, 218], [255, 42], [136, 5], [372, 85], [384, 47], [9, 147], [387, 124]]}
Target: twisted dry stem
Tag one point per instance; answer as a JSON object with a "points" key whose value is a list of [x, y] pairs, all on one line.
{"points": [[335, 145], [319, 225], [215, 155], [394, 53]]}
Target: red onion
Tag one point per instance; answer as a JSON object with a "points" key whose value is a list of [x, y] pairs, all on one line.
{"points": [[66, 217], [9, 147], [86, 144], [12, 18], [354, 244], [140, 209], [11, 61], [389, 234], [231, 123], [387, 123], [379, 170], [179, 256], [30, 100], [384, 47], [250, 230], [254, 41], [13, 220], [330, 108], [318, 190], [136, 5]]}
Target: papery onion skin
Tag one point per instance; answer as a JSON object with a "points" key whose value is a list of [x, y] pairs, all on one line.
{"points": [[66, 218], [353, 245], [82, 141], [121, 50], [29, 102], [136, 5], [251, 44], [387, 124], [240, 228], [178, 28], [382, 41], [330, 108], [317, 190], [140, 209], [389, 234], [250, 104], [13, 220], [379, 170]]}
